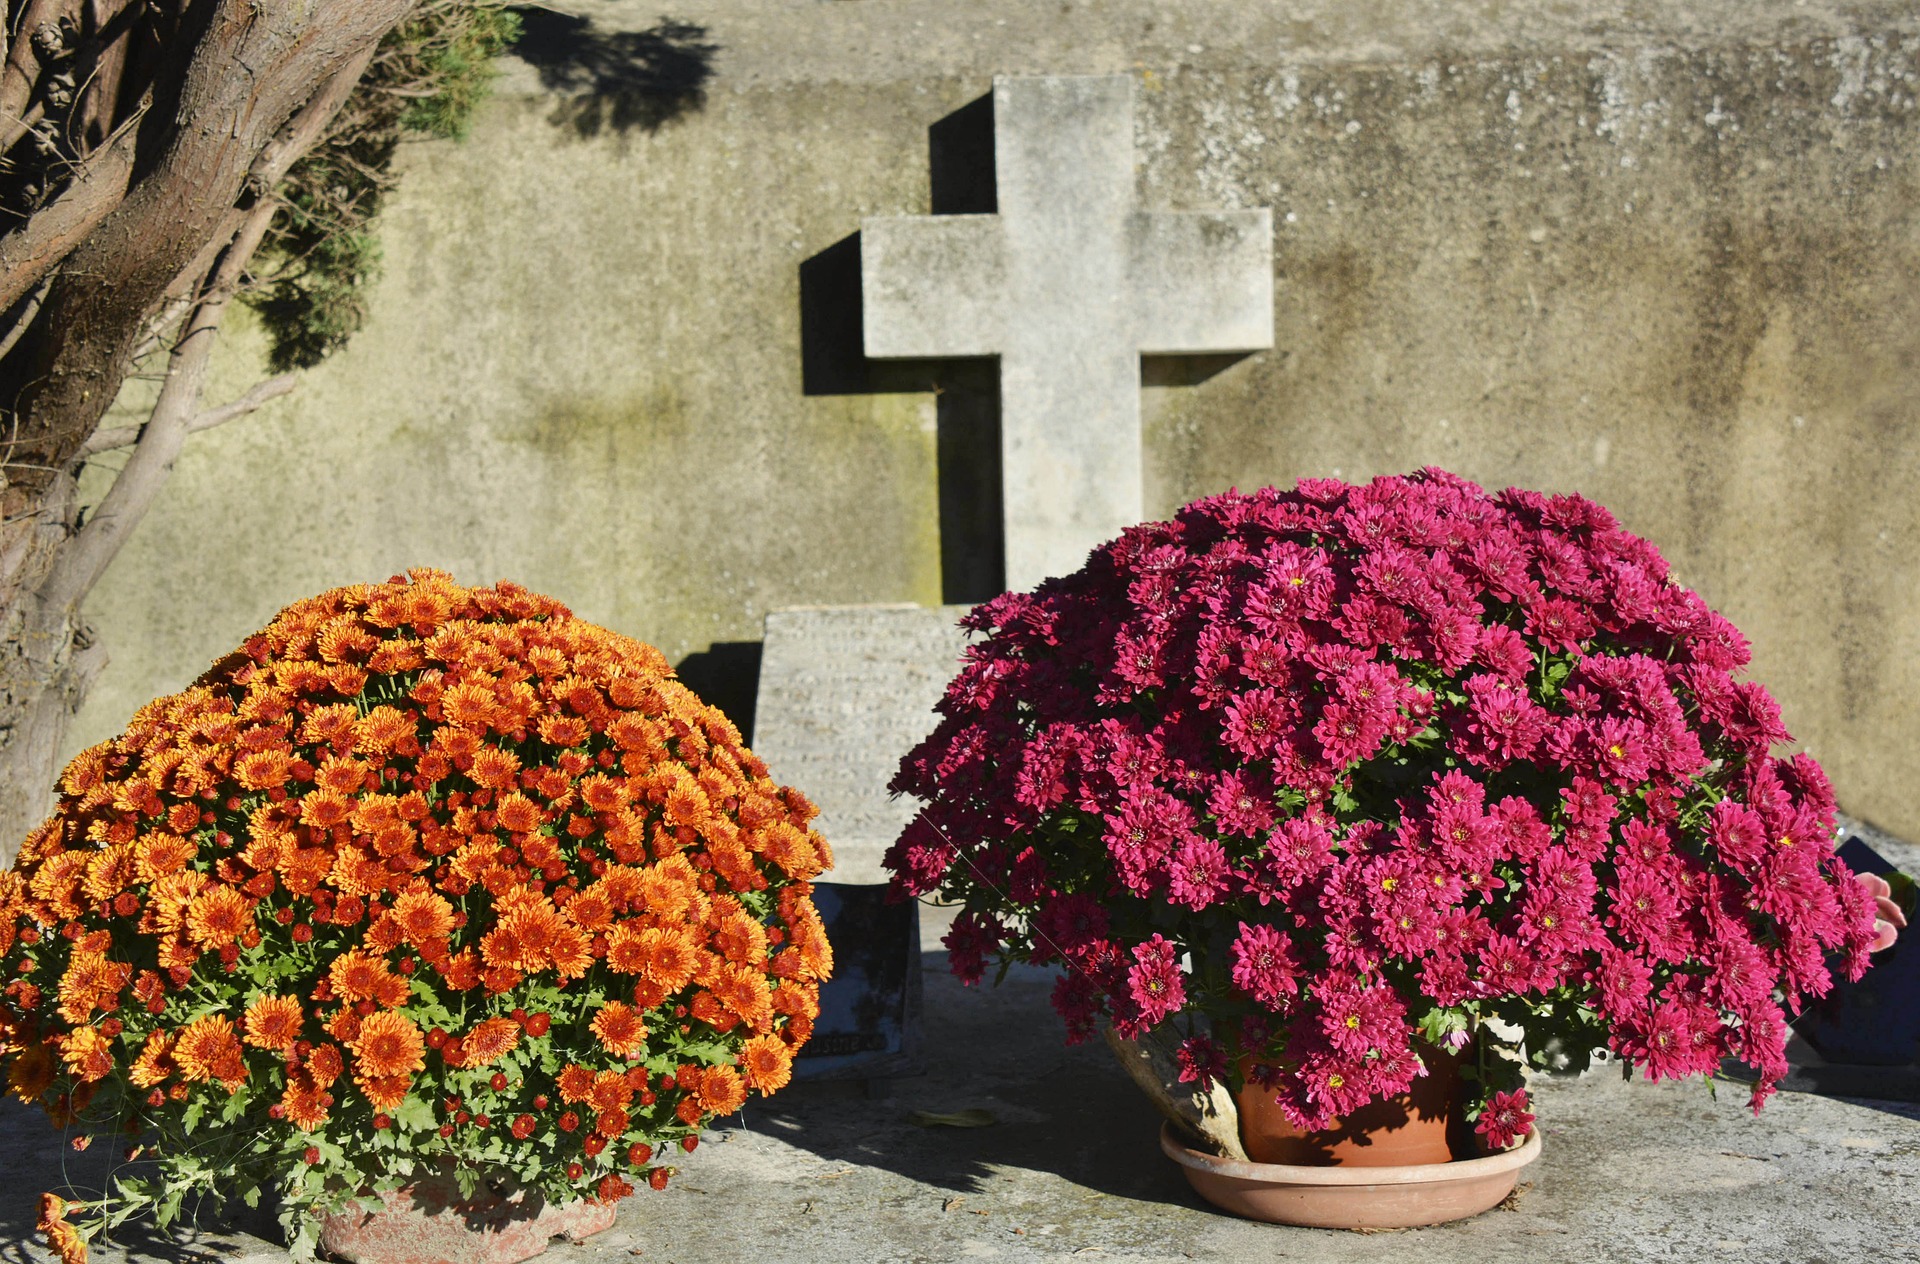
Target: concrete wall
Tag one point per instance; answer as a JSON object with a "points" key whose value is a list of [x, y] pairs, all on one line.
{"points": [[1661, 255]]}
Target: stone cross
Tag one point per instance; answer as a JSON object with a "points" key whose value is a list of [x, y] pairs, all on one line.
{"points": [[1069, 284]]}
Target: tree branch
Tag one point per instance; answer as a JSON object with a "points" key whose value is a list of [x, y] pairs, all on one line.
{"points": [[87, 554], [28, 311], [99, 184], [304, 129], [127, 436], [61, 380], [23, 69]]}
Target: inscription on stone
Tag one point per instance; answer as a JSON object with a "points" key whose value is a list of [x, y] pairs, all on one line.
{"points": [[845, 691]]}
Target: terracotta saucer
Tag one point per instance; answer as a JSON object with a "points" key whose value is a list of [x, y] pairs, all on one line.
{"points": [[1333, 1197]]}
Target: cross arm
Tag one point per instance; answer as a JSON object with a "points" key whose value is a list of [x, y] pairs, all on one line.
{"points": [[1202, 280], [932, 286]]}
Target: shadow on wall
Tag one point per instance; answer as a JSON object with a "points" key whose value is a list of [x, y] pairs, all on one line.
{"points": [[726, 675], [966, 392], [620, 80]]}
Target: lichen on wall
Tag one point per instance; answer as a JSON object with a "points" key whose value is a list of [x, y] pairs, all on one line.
{"points": [[1662, 258]]}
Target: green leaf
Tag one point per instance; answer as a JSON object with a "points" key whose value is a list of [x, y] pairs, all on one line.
{"points": [[415, 1115]]}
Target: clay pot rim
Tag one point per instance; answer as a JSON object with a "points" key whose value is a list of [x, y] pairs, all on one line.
{"points": [[1334, 1174]]}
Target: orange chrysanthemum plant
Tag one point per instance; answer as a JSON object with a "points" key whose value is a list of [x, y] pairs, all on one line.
{"points": [[421, 879]]}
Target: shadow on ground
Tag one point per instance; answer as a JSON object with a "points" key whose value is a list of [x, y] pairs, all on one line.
{"points": [[1068, 1111], [616, 81], [34, 1158]]}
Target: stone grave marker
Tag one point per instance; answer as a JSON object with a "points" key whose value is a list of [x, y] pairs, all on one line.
{"points": [[1069, 283], [844, 692]]}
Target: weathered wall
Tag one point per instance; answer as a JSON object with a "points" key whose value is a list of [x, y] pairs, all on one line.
{"points": [[1662, 256]]}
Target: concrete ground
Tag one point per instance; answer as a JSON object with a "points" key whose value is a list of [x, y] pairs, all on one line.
{"points": [[1068, 1168]]}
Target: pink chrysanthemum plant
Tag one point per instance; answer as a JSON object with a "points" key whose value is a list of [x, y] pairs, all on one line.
{"points": [[1328, 778]]}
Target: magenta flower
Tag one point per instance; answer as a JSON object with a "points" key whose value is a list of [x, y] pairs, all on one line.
{"points": [[1505, 1119], [1155, 982], [1380, 749]]}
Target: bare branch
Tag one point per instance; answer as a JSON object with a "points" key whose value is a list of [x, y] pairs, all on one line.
{"points": [[99, 184], [295, 137], [87, 554], [27, 312], [305, 127], [127, 436]]}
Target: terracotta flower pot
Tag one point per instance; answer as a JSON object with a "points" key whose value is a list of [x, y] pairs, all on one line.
{"points": [[428, 1222], [1325, 1196], [1389, 1165], [1390, 1132]]}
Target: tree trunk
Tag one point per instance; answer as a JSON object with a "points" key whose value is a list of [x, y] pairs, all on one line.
{"points": [[217, 131]]}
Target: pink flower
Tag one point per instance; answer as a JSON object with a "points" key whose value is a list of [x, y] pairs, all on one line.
{"points": [[1242, 804], [1155, 982], [1264, 965], [1257, 722], [1187, 743], [1197, 877], [1201, 1062], [1505, 1119], [1502, 725]]}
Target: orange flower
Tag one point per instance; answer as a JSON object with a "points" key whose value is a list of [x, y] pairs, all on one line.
{"points": [[517, 813], [745, 993], [590, 910], [686, 802], [666, 957], [306, 1108], [331, 725], [495, 769], [324, 1065], [490, 1040], [620, 1030], [324, 809], [384, 1091], [87, 1053], [564, 730], [207, 1049], [91, 980], [468, 704], [721, 1091], [30, 1073], [342, 775], [273, 1022], [387, 1045], [575, 1083], [524, 938], [109, 873], [218, 916], [424, 917], [767, 1063], [159, 854], [572, 952], [263, 770], [611, 1091], [385, 729], [795, 998], [603, 793], [154, 1064], [64, 1240], [356, 976], [610, 1123], [741, 939]]}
